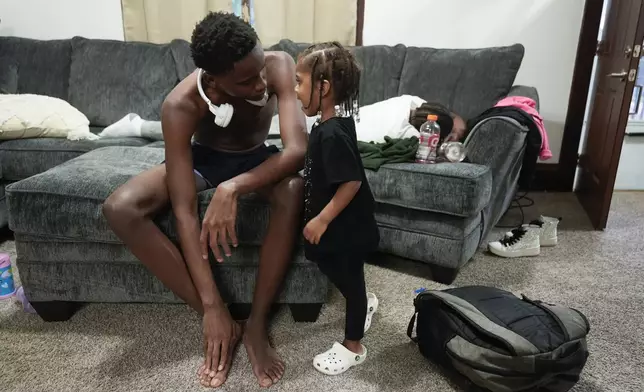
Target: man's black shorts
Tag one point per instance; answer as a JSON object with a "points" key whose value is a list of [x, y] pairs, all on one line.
{"points": [[216, 167]]}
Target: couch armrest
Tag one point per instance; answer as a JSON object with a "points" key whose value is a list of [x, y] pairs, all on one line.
{"points": [[499, 143], [525, 91]]}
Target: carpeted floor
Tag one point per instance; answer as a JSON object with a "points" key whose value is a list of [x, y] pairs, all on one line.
{"points": [[107, 347]]}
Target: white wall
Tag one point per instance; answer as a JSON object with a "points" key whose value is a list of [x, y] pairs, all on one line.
{"points": [[59, 19], [549, 30]]}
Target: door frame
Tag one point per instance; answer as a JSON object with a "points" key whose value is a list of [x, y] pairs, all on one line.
{"points": [[598, 182], [561, 176], [360, 22]]}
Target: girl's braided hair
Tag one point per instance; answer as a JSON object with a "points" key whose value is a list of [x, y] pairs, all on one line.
{"points": [[332, 62]]}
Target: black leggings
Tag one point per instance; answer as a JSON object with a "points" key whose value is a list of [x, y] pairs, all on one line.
{"points": [[347, 274]]}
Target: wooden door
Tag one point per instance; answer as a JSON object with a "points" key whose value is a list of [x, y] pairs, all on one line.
{"points": [[619, 56]]}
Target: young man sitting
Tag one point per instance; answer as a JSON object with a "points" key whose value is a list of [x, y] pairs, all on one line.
{"points": [[228, 153]]}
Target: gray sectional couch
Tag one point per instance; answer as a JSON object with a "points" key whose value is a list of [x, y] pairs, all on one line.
{"points": [[54, 188]]}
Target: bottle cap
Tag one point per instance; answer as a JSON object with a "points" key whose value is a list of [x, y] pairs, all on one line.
{"points": [[432, 117]]}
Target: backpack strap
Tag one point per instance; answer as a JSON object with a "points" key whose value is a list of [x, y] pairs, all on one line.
{"points": [[410, 328], [516, 344]]}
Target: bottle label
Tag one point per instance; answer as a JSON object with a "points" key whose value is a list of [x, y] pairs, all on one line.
{"points": [[433, 141]]}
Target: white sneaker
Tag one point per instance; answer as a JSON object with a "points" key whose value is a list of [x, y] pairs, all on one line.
{"points": [[524, 241], [547, 229]]}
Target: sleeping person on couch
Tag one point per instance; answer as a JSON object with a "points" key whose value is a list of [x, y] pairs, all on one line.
{"points": [[398, 118], [453, 126], [226, 105]]}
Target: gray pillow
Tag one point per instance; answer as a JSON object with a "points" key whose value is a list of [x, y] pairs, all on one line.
{"points": [[8, 77], [109, 79]]}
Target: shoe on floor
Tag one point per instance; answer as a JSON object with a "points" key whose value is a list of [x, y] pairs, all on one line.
{"points": [[338, 359], [547, 229], [524, 241], [372, 307]]}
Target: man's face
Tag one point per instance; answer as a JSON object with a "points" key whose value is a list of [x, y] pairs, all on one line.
{"points": [[247, 79]]}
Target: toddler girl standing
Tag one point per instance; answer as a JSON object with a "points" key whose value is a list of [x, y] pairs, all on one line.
{"points": [[339, 207]]}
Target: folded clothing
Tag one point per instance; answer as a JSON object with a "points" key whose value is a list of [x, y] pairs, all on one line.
{"points": [[374, 155]]}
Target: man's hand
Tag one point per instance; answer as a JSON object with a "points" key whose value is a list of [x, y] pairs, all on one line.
{"points": [[314, 230], [220, 335], [219, 223]]}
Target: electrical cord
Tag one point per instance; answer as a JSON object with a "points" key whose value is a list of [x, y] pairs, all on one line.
{"points": [[516, 203]]}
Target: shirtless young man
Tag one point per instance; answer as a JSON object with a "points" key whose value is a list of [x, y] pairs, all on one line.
{"points": [[235, 160]]}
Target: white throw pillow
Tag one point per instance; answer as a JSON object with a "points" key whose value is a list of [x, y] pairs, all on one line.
{"points": [[31, 116], [385, 118]]}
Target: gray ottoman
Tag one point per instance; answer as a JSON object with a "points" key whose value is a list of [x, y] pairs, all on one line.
{"points": [[68, 255]]}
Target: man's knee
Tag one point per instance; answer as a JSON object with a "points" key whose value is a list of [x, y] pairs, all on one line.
{"points": [[288, 194]]}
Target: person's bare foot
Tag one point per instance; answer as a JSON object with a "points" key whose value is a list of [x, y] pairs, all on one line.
{"points": [[267, 365], [217, 379]]}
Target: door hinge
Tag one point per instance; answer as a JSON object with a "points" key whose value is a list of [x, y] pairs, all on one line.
{"points": [[637, 50], [632, 74], [602, 47]]}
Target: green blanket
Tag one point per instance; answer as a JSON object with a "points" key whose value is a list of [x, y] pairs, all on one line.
{"points": [[374, 155]]}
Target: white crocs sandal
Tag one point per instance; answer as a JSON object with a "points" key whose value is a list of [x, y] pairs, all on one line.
{"points": [[372, 307], [338, 360]]}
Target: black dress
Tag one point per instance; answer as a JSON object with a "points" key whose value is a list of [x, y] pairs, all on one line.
{"points": [[333, 159]]}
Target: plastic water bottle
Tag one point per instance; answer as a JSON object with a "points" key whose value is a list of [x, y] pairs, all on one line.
{"points": [[452, 151], [7, 288], [430, 133]]}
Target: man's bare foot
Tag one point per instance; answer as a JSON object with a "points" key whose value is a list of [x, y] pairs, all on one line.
{"points": [[217, 379], [267, 366]]}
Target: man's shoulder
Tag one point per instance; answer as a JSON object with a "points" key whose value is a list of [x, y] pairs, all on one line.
{"points": [[183, 97], [280, 67], [278, 58]]}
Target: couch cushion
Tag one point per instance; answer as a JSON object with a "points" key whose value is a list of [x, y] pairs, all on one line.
{"points": [[182, 58], [43, 66], [8, 76], [460, 189], [66, 201], [109, 79], [157, 144], [381, 68], [467, 81], [290, 47], [26, 157]]}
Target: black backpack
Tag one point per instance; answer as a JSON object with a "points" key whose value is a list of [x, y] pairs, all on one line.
{"points": [[500, 342]]}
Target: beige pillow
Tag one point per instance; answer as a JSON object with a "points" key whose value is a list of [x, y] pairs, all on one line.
{"points": [[31, 116]]}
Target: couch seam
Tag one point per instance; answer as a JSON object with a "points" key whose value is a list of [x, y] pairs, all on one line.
{"points": [[431, 210], [80, 197], [428, 234]]}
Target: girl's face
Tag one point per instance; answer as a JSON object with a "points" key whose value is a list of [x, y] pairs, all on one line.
{"points": [[303, 86]]}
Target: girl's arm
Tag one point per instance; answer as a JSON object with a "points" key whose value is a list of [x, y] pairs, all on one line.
{"points": [[343, 196]]}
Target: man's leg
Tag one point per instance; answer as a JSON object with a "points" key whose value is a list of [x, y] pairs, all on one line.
{"points": [[286, 200], [129, 212]]}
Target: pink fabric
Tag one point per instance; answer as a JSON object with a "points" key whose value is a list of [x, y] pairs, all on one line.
{"points": [[529, 106]]}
